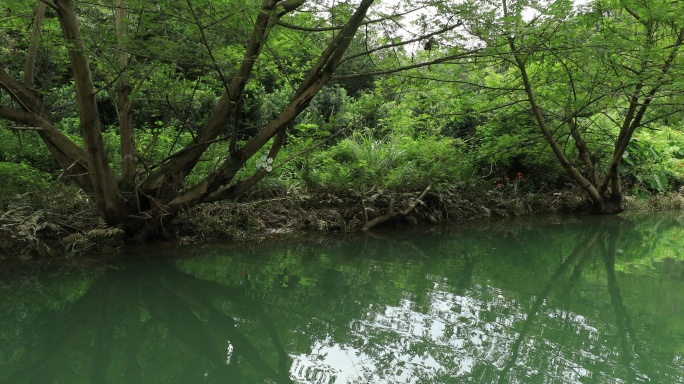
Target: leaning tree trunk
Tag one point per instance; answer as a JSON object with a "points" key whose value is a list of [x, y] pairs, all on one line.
{"points": [[598, 199]]}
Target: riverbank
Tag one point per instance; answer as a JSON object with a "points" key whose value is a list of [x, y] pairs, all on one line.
{"points": [[64, 226]]}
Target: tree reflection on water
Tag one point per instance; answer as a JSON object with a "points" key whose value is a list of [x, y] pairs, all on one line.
{"points": [[569, 303]]}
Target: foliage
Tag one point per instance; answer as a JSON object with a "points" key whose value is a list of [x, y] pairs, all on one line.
{"points": [[398, 162], [18, 178], [655, 160], [177, 100], [475, 93], [25, 147]]}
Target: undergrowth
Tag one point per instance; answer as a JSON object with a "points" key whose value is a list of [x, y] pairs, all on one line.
{"points": [[61, 223]]}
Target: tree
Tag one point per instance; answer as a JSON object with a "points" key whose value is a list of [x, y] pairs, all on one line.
{"points": [[142, 61], [600, 71], [139, 203]]}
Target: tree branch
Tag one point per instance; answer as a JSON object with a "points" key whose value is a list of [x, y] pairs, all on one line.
{"points": [[634, 116], [32, 53], [337, 28], [406, 42], [441, 60]]}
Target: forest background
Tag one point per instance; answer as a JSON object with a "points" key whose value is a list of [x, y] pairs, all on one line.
{"points": [[131, 120]]}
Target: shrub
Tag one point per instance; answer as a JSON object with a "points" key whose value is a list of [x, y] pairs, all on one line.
{"points": [[398, 162], [25, 147], [20, 178], [654, 161]]}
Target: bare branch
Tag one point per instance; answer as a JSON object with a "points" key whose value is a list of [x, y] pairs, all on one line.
{"points": [[441, 60], [339, 27], [205, 42], [406, 42], [32, 53]]}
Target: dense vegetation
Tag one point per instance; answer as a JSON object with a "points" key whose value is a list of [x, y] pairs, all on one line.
{"points": [[149, 109]]}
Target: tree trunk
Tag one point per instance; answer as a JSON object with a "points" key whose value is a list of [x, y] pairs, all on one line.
{"points": [[593, 193], [608, 205], [104, 183], [125, 105]]}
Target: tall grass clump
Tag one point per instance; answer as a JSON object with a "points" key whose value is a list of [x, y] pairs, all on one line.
{"points": [[399, 162]]}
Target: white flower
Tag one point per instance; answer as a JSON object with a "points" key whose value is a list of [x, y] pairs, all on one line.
{"points": [[264, 163]]}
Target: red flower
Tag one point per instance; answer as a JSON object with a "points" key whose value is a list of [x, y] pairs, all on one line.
{"points": [[520, 175], [499, 185], [508, 179]]}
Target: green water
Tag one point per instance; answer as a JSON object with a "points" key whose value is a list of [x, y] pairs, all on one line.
{"points": [[589, 300]]}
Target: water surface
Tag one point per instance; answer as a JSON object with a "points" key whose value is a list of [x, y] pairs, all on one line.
{"points": [[555, 300]]}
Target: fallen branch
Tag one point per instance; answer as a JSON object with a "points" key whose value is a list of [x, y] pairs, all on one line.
{"points": [[392, 214]]}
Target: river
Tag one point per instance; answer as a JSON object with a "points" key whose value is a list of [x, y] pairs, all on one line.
{"points": [[544, 300]]}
